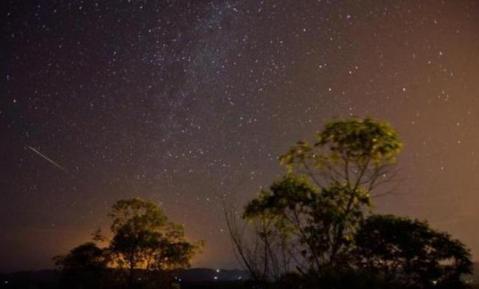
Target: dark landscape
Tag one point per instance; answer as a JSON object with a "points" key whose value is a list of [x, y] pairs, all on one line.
{"points": [[243, 144]]}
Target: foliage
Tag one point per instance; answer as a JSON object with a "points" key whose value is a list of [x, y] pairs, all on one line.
{"points": [[83, 267], [143, 241], [409, 252], [320, 210], [144, 238], [84, 257], [353, 153], [318, 206]]}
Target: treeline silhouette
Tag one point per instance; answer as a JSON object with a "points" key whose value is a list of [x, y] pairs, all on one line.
{"points": [[313, 228]]}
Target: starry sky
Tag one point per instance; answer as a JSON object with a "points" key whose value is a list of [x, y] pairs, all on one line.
{"points": [[189, 102]]}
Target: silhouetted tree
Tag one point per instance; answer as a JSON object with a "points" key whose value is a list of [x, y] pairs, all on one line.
{"points": [[347, 161], [319, 205], [144, 238], [410, 253], [83, 266], [84, 257], [145, 245]]}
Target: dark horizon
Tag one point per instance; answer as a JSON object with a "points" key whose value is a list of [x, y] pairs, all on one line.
{"points": [[189, 104]]}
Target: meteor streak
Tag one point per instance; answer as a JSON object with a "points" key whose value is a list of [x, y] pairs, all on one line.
{"points": [[57, 165]]}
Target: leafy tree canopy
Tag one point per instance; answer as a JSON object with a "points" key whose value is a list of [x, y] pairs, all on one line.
{"points": [[411, 253], [145, 238], [352, 152], [322, 200], [85, 257], [145, 243]]}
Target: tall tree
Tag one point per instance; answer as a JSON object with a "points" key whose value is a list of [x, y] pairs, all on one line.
{"points": [[321, 202], [347, 161]]}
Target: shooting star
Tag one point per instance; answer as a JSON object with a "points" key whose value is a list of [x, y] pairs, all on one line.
{"points": [[54, 163]]}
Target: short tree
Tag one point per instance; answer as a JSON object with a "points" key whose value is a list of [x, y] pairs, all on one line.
{"points": [[84, 257], [410, 253], [83, 266]]}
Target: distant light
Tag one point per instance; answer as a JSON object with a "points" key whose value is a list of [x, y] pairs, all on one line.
{"points": [[218, 270], [216, 277]]}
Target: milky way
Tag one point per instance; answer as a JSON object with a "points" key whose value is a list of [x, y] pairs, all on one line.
{"points": [[189, 103]]}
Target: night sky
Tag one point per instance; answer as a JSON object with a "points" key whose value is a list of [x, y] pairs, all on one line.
{"points": [[189, 103]]}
